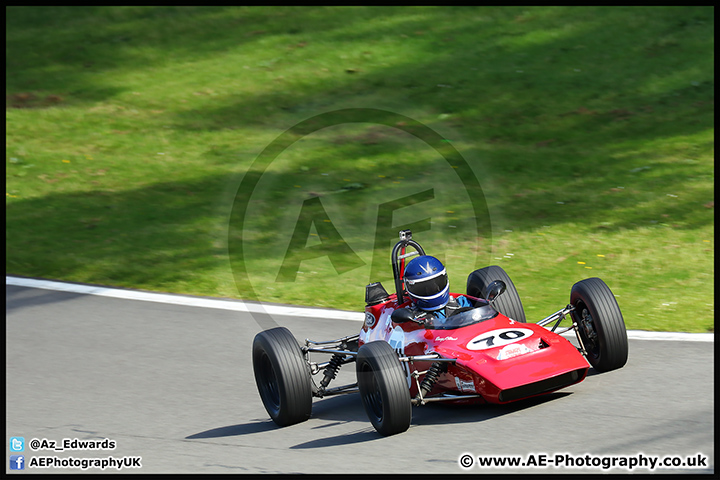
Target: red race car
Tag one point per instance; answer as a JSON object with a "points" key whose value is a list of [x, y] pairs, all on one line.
{"points": [[481, 352]]}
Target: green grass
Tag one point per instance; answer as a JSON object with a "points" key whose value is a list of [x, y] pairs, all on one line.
{"points": [[590, 129]]}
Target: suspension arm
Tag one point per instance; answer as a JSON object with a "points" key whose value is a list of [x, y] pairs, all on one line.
{"points": [[556, 317], [427, 358], [333, 352]]}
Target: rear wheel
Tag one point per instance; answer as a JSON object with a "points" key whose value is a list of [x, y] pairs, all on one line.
{"points": [[508, 303], [600, 324], [383, 388], [282, 376]]}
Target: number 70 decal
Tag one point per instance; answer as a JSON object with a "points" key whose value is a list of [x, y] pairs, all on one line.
{"points": [[498, 338]]}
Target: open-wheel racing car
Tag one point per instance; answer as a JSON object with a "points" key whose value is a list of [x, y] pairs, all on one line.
{"points": [[484, 353]]}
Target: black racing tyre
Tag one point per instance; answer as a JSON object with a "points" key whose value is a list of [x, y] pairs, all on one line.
{"points": [[383, 388], [600, 324], [508, 303], [282, 376]]}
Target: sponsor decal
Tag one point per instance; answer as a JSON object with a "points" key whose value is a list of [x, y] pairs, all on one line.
{"points": [[442, 339], [465, 385], [513, 350]]}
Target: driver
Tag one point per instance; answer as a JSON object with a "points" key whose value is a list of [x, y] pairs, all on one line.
{"points": [[426, 283]]}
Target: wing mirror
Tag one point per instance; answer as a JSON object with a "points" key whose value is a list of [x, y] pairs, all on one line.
{"points": [[493, 290], [401, 315]]}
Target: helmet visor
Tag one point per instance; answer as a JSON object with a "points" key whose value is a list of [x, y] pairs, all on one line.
{"points": [[427, 287]]}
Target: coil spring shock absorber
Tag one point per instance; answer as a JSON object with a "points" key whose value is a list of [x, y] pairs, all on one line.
{"points": [[431, 377], [331, 370]]}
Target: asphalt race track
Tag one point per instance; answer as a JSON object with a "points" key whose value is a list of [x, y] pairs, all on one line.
{"points": [[173, 384]]}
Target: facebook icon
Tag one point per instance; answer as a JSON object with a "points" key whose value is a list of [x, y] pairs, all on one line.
{"points": [[17, 462]]}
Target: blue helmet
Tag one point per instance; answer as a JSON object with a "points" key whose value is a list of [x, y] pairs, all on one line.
{"points": [[426, 282]]}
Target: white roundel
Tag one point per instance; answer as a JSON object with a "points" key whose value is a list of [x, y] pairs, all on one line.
{"points": [[498, 338]]}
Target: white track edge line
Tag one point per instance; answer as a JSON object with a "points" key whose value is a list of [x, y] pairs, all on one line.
{"points": [[240, 306], [172, 299]]}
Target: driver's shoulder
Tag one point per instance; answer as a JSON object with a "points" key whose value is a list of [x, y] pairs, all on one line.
{"points": [[461, 301]]}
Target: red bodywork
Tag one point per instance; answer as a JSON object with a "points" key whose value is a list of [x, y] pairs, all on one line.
{"points": [[500, 359]]}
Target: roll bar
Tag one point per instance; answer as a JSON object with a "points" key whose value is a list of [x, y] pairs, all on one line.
{"points": [[398, 257]]}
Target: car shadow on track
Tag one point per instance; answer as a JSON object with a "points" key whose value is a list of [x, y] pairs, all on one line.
{"points": [[235, 430], [431, 414], [338, 409], [445, 413], [344, 409]]}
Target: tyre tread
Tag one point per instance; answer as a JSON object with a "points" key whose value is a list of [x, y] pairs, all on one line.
{"points": [[384, 361], [293, 376], [509, 303], [608, 322]]}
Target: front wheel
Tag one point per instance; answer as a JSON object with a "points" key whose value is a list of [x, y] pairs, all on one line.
{"points": [[282, 376], [600, 324], [383, 388]]}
